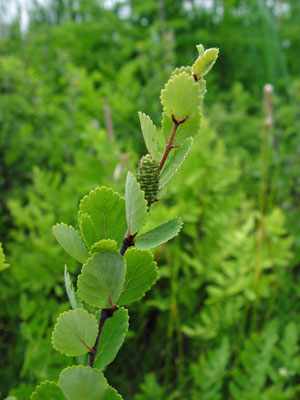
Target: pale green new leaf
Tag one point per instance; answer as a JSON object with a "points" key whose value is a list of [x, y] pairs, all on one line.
{"points": [[111, 339], [3, 264], [78, 383], [149, 133], [104, 245], [174, 162], [158, 235], [101, 280], [47, 391], [102, 216], [75, 332], [205, 62], [178, 71], [72, 295], [181, 96], [136, 205], [112, 394], [141, 274], [189, 128], [71, 242], [200, 49]]}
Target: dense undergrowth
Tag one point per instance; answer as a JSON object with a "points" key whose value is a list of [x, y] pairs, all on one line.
{"points": [[223, 320]]}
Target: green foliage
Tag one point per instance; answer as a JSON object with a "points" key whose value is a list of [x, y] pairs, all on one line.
{"points": [[69, 239], [205, 62], [75, 332], [82, 382], [101, 280], [141, 274], [47, 391], [174, 162], [102, 216], [149, 133], [158, 235], [3, 264], [136, 205], [72, 295], [181, 96], [112, 338]]}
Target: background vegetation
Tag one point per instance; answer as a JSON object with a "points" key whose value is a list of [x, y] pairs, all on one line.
{"points": [[223, 321]]}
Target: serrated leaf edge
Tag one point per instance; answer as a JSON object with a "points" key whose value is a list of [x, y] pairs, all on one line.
{"points": [[171, 80], [132, 249], [55, 327], [41, 384], [165, 241], [147, 213], [126, 330], [191, 139]]}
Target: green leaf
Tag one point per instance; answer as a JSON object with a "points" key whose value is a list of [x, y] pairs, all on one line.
{"points": [[71, 242], [200, 49], [141, 274], [112, 394], [178, 71], [47, 391], [149, 133], [174, 162], [75, 332], [102, 216], [3, 265], [189, 128], [158, 235], [112, 337], [136, 205], [104, 245], [78, 383], [181, 96], [102, 278], [205, 62], [72, 296]]}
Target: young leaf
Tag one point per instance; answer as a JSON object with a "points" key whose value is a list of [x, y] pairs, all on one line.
{"points": [[3, 265], [104, 245], [112, 394], [78, 383], [205, 62], [102, 216], [174, 162], [158, 235], [101, 280], [136, 205], [181, 96], [75, 332], [190, 127], [72, 296], [71, 242], [149, 133], [111, 339], [141, 274], [47, 391]]}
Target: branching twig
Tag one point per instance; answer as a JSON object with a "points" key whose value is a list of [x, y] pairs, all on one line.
{"points": [[129, 241]]}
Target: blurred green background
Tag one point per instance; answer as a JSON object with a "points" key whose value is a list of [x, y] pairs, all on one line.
{"points": [[223, 322]]}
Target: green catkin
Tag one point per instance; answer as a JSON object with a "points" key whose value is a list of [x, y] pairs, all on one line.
{"points": [[147, 175]]}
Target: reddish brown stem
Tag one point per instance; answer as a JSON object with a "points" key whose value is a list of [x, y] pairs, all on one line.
{"points": [[169, 145]]}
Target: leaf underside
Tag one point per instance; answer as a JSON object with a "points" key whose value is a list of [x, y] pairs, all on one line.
{"points": [[111, 339], [136, 205], [72, 295], [174, 162], [158, 235], [149, 133], [75, 332], [71, 242]]}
